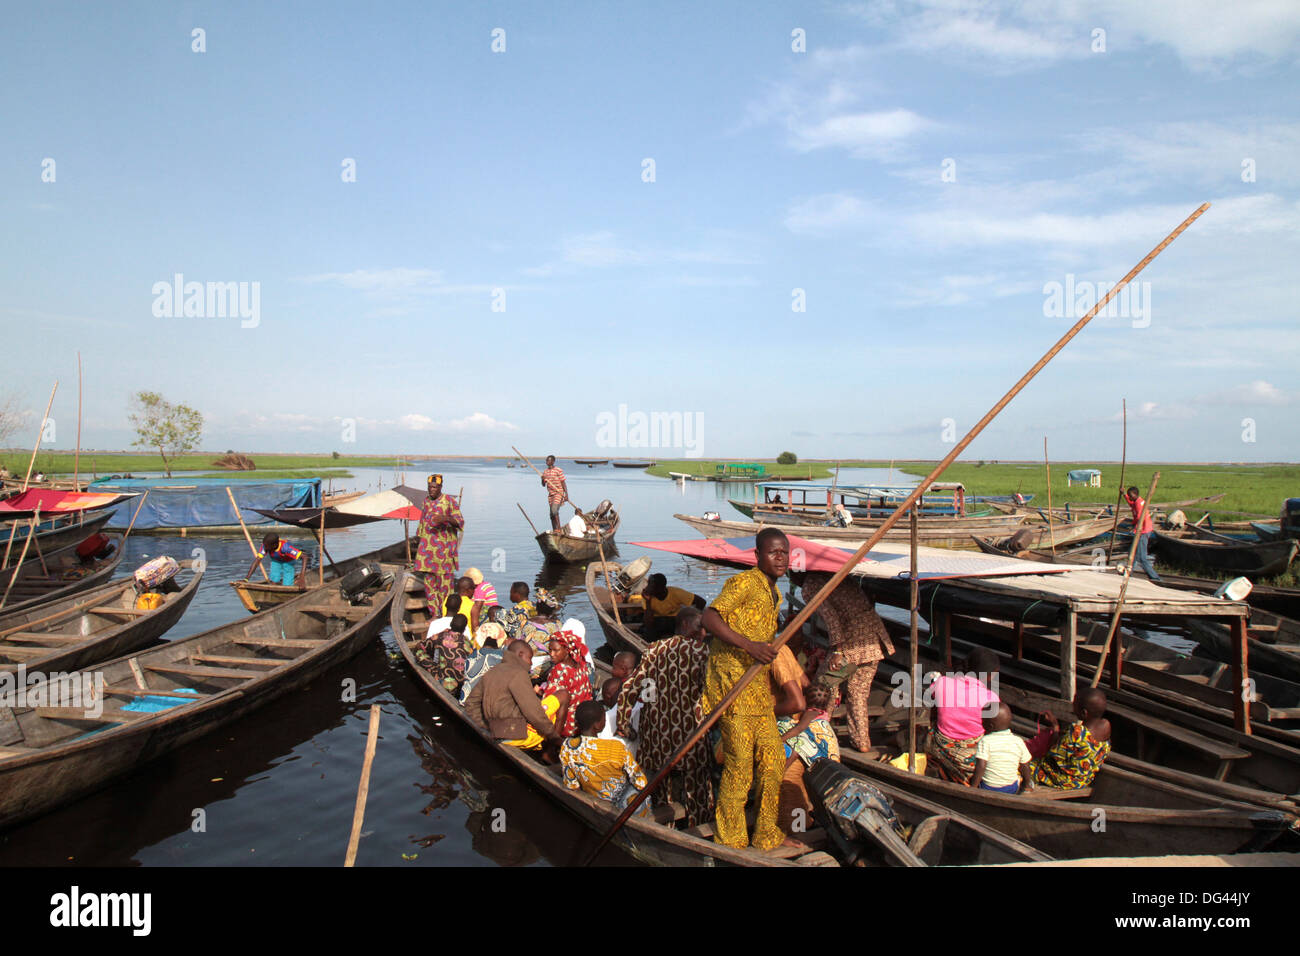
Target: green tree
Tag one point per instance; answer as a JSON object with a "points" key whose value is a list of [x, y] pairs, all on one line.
{"points": [[336, 455], [172, 429], [787, 458]]}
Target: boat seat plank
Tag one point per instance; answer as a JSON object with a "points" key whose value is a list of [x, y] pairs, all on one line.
{"points": [[109, 715], [11, 752], [197, 670], [417, 628], [41, 637], [231, 659], [274, 642], [128, 611], [17, 650], [668, 813], [1048, 793]]}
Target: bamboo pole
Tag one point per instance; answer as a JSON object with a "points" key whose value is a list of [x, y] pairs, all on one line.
{"points": [[138, 508], [1119, 495], [797, 622], [76, 462], [913, 677], [247, 536], [39, 435], [363, 788], [1051, 531], [1123, 588], [528, 519], [21, 558], [613, 600], [320, 576]]}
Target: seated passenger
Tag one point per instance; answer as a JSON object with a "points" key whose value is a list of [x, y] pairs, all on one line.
{"points": [[661, 606], [624, 663], [570, 673], [520, 610], [503, 703], [1070, 760], [960, 700], [447, 650], [1000, 755], [604, 768]]}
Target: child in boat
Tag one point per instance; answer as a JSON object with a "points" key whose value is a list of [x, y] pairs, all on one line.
{"points": [[1070, 760], [609, 693], [283, 557], [624, 664], [604, 768], [810, 738], [1000, 755], [520, 610]]}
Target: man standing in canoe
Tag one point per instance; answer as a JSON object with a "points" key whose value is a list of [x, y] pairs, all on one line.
{"points": [[743, 622], [557, 490], [439, 553], [1143, 533]]}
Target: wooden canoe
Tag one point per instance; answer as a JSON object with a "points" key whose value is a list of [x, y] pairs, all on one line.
{"points": [[61, 574], [632, 464], [565, 547], [54, 538], [944, 533], [652, 841], [663, 840], [622, 634], [1103, 820], [1226, 556], [52, 755], [590, 461], [257, 595], [1274, 644], [89, 626]]}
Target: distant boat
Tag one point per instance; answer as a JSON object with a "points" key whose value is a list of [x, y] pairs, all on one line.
{"points": [[633, 464], [591, 461]]}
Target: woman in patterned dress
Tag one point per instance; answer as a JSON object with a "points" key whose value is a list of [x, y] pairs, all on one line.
{"points": [[1070, 759], [439, 553], [569, 672]]}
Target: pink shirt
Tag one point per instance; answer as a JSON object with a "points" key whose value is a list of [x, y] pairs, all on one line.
{"points": [[960, 701], [486, 593]]}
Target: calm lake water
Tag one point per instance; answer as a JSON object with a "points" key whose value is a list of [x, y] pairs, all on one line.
{"points": [[279, 787]]}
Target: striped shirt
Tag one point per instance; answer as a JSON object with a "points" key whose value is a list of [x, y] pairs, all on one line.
{"points": [[553, 478]]}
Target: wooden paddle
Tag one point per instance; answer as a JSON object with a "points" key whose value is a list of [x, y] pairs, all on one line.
{"points": [[796, 623], [1119, 498], [247, 537], [363, 788]]}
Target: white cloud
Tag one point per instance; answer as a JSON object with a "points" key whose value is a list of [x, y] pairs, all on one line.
{"points": [[476, 422], [605, 250], [862, 134], [1258, 392], [1003, 37], [394, 283]]}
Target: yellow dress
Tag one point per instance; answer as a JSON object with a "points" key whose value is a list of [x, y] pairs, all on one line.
{"points": [[748, 605]]}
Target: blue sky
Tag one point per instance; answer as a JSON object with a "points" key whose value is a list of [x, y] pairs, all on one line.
{"points": [[923, 172]]}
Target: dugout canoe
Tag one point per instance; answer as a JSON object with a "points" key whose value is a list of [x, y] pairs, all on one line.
{"points": [[56, 575], [663, 840], [90, 626], [51, 755], [259, 595], [632, 464], [1274, 643], [53, 539], [1204, 549], [942, 533], [562, 546], [1059, 534], [620, 635], [1101, 820], [591, 461]]}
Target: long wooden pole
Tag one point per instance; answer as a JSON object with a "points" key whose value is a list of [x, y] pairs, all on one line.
{"points": [[131, 525], [613, 599], [1123, 588], [528, 519], [39, 435], [1051, 531], [794, 624], [31, 533], [1119, 496], [913, 676], [320, 576], [363, 788], [247, 537], [76, 461]]}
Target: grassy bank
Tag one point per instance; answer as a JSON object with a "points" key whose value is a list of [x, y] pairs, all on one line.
{"points": [[114, 463], [1254, 489]]}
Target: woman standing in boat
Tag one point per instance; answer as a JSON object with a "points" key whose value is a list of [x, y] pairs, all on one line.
{"points": [[439, 553]]}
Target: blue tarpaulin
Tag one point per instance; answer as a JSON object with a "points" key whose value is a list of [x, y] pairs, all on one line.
{"points": [[202, 502]]}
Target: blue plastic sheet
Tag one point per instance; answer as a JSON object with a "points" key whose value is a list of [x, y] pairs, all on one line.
{"points": [[202, 502]]}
